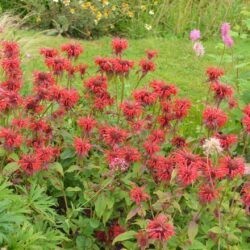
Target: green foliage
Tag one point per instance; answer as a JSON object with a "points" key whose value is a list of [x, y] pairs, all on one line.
{"points": [[130, 18]]}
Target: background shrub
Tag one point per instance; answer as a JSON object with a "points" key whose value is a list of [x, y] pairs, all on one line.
{"points": [[132, 18]]}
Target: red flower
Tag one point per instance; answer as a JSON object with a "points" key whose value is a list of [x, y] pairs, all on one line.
{"points": [[246, 110], [48, 52], [43, 79], [97, 84], [82, 146], [162, 89], [151, 147], [68, 98], [226, 141], [178, 142], [102, 100], [20, 123], [157, 136], [57, 64], [144, 97], [163, 168], [159, 228], [114, 231], [131, 109], [72, 49], [146, 66], [81, 68], [32, 103], [138, 195], [12, 84], [11, 138], [101, 236], [9, 100], [129, 154], [119, 45], [235, 166], [181, 108], [46, 154], [86, 123], [246, 194], [113, 136], [222, 91], [105, 64], [207, 193], [142, 240], [151, 54], [214, 118], [11, 66], [10, 49], [214, 73], [121, 66], [30, 163], [246, 123], [188, 165]]}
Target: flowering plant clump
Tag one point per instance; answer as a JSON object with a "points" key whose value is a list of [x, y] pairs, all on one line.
{"points": [[118, 164]]}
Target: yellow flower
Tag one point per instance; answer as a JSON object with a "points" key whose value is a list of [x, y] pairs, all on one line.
{"points": [[113, 8], [98, 16], [105, 2], [86, 5], [143, 7], [72, 11], [38, 19], [130, 14]]}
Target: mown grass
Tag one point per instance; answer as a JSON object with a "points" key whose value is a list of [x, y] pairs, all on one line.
{"points": [[176, 62]]}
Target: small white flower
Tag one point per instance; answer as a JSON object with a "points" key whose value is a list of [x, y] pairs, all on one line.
{"points": [[212, 146], [148, 27], [151, 12], [198, 49], [55, 1]]}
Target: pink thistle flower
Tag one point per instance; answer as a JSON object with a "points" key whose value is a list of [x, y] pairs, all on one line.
{"points": [[195, 35]]}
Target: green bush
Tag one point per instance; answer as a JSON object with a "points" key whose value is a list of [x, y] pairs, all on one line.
{"points": [[132, 18]]}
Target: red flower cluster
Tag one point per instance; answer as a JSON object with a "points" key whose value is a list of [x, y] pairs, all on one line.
{"points": [[160, 229], [138, 195], [73, 50], [119, 45], [214, 74], [246, 118]]}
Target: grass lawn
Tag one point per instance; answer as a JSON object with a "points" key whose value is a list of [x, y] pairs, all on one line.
{"points": [[176, 62]]}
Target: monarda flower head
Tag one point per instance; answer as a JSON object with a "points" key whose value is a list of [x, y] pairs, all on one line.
{"points": [[49, 52], [96, 84], [119, 45], [180, 108], [144, 97], [10, 49], [214, 118], [221, 91], [235, 166], [68, 98], [58, 64], [212, 146], [214, 73], [138, 195], [207, 193], [246, 194], [246, 118], [131, 109], [226, 140], [30, 163], [151, 54], [113, 136], [121, 66], [82, 146], [160, 229], [72, 49], [11, 139], [162, 89], [146, 66], [43, 79], [86, 123]]}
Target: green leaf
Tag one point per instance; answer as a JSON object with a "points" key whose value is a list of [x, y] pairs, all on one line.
{"points": [[216, 230], [192, 230], [100, 205], [132, 213], [73, 168], [73, 189], [58, 168], [67, 153], [124, 236], [10, 168]]}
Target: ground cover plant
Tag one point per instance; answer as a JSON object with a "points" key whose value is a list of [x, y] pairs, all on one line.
{"points": [[95, 161]]}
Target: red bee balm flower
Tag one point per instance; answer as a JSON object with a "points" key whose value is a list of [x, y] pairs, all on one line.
{"points": [[151, 54], [146, 66], [48, 52], [86, 123], [214, 73], [11, 138], [10, 49], [144, 97], [214, 118], [234, 166], [246, 194], [160, 229], [72, 49], [119, 45], [138, 195], [131, 109], [162, 89], [114, 231], [82, 146], [30, 163], [222, 91], [207, 194]]}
